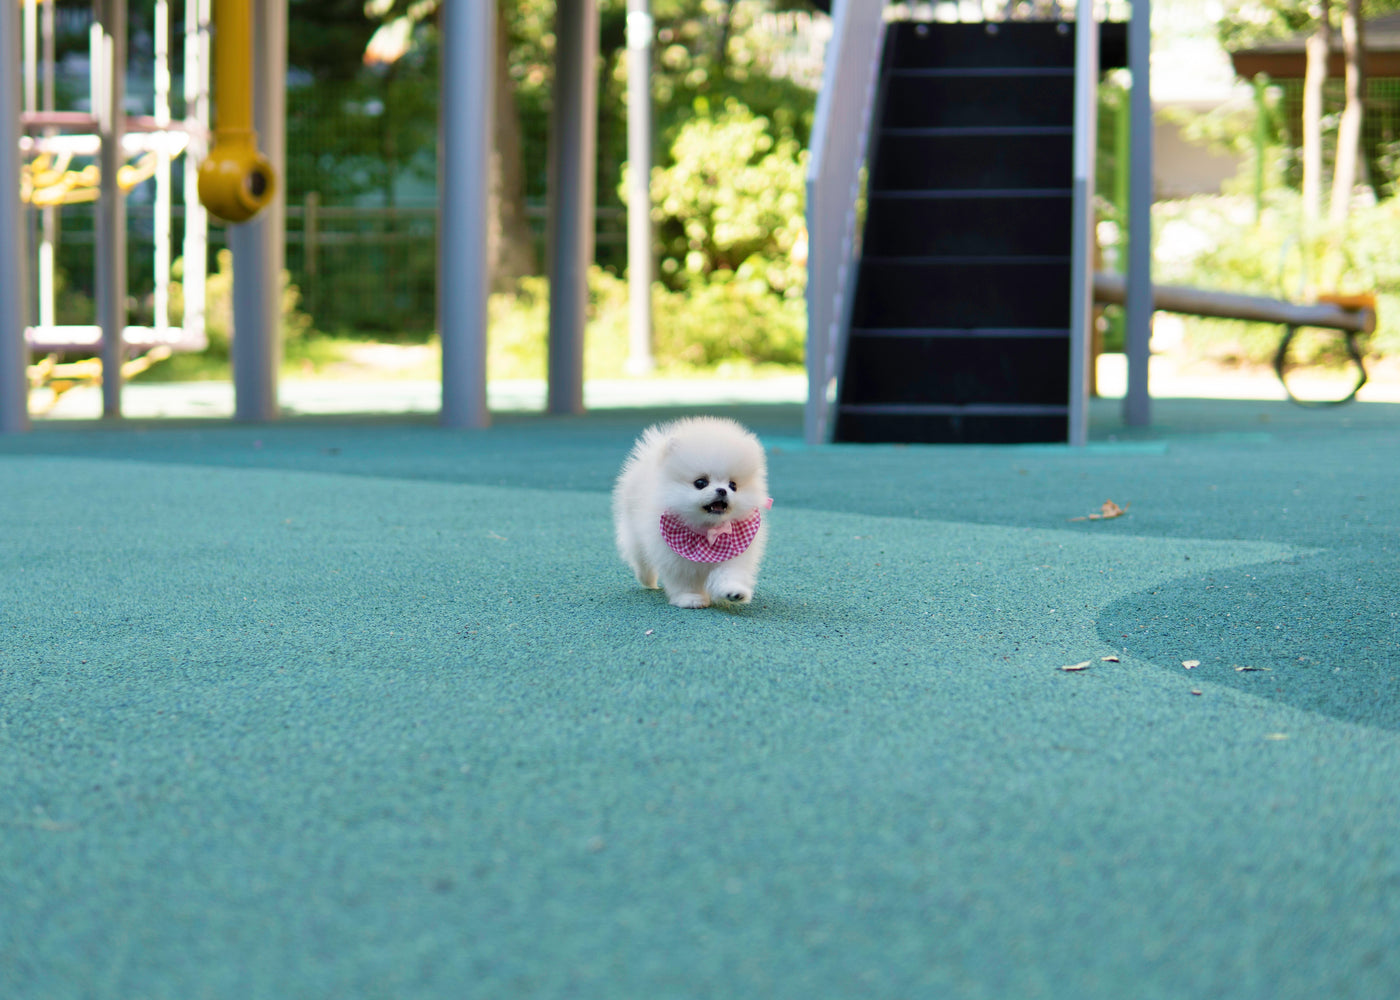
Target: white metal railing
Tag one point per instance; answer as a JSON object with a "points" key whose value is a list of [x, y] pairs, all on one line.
{"points": [[834, 170], [1086, 89]]}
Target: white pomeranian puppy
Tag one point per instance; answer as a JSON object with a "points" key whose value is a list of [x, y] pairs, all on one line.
{"points": [[687, 510]]}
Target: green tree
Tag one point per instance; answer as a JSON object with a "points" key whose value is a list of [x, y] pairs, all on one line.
{"points": [[729, 208], [703, 49], [329, 38], [1322, 22], [731, 201]]}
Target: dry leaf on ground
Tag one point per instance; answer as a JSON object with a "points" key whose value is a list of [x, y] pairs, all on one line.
{"points": [[1108, 510], [1109, 659], [1190, 664], [1077, 666]]}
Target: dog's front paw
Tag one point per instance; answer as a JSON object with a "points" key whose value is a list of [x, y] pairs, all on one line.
{"points": [[737, 588], [690, 600]]}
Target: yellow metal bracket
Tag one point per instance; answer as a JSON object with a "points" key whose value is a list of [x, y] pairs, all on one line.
{"points": [[235, 180], [59, 377], [47, 181]]}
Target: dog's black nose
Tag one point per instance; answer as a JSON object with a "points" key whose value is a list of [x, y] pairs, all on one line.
{"points": [[721, 491]]}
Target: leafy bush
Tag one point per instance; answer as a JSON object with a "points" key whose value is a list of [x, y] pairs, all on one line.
{"points": [[729, 318], [518, 336], [732, 201], [729, 210], [726, 322], [218, 306]]}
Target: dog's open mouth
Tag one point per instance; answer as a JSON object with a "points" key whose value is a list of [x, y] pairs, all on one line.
{"points": [[717, 507]]}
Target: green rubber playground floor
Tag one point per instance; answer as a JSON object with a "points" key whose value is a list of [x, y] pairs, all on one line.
{"points": [[368, 708]]}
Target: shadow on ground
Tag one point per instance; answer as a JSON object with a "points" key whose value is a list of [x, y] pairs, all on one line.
{"points": [[1320, 633]]}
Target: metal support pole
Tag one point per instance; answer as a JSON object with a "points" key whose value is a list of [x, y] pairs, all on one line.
{"points": [[640, 265], [14, 354], [33, 233], [835, 164], [464, 183], [48, 216], [572, 179], [196, 242], [109, 86], [1122, 170], [1137, 404], [1086, 113], [163, 164], [31, 55], [257, 243], [1261, 140]]}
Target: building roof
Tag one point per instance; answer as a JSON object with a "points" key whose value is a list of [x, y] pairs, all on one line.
{"points": [[1286, 59]]}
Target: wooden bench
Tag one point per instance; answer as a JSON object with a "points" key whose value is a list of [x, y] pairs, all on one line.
{"points": [[1351, 315]]}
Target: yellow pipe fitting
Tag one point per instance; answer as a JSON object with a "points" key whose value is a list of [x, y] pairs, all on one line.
{"points": [[235, 180]]}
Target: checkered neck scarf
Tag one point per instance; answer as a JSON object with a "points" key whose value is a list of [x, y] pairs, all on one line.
{"points": [[713, 546]]}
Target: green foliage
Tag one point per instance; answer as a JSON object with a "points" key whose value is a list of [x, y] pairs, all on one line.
{"points": [[729, 211], [218, 306], [709, 49], [703, 49], [518, 331], [328, 38], [726, 322], [1252, 22], [731, 203], [376, 276], [729, 319], [517, 342], [71, 304], [358, 136]]}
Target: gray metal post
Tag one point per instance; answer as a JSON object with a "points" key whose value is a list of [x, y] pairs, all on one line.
{"points": [[43, 310], [14, 354], [572, 179], [257, 244], [196, 244], [464, 181], [109, 84], [840, 135], [640, 265], [1086, 90], [1261, 140], [1137, 404]]}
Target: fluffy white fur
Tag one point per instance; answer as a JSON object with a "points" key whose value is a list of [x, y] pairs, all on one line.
{"points": [[660, 475]]}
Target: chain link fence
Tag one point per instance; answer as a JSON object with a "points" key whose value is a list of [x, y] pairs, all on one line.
{"points": [[361, 271]]}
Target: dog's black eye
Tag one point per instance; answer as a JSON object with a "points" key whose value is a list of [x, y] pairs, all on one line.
{"points": [[701, 483], [732, 487]]}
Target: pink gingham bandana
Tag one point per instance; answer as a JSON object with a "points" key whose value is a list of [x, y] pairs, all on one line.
{"points": [[712, 546]]}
